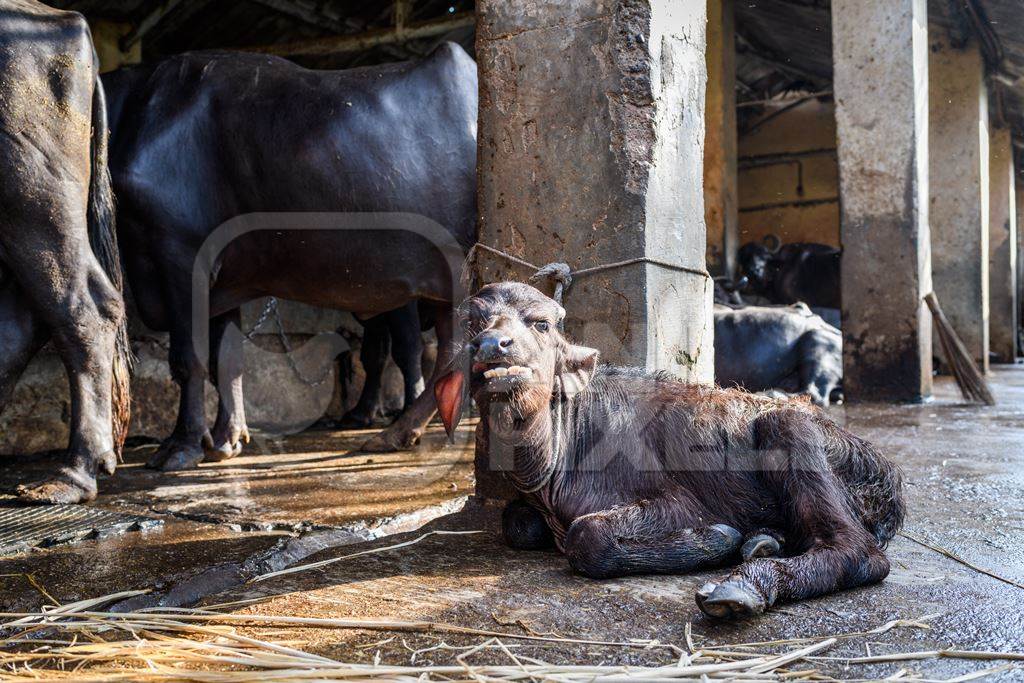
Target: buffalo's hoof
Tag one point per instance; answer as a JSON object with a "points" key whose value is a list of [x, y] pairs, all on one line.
{"points": [[66, 488], [353, 420], [389, 442], [174, 455], [218, 449], [761, 545], [733, 599]]}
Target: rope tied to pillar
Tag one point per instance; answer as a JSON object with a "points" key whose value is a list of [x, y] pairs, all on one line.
{"points": [[561, 275]]}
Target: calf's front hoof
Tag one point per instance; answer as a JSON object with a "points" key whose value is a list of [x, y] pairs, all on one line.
{"points": [[730, 600], [66, 488], [761, 545]]}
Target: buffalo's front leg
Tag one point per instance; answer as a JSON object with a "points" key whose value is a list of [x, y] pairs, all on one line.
{"points": [[408, 428], [647, 537], [227, 366], [183, 449]]}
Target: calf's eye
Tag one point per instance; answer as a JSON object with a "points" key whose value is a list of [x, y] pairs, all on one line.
{"points": [[542, 326]]}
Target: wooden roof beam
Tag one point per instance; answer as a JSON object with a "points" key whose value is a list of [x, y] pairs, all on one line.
{"points": [[364, 41]]}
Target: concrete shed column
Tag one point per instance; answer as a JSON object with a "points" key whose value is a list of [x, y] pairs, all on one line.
{"points": [[959, 186], [1002, 247], [881, 92], [592, 152], [721, 212]]}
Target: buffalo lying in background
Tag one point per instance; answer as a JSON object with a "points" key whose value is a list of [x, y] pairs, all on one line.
{"points": [[782, 348], [206, 137], [59, 273], [791, 273], [630, 472], [788, 349]]}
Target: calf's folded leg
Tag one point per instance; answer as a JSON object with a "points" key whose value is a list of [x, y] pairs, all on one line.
{"points": [[838, 550], [647, 537]]}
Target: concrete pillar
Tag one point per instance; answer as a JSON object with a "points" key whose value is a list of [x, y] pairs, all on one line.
{"points": [[1002, 247], [959, 182], [881, 94], [1019, 205], [721, 211], [591, 135]]}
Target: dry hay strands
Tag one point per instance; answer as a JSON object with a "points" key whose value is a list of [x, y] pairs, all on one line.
{"points": [[968, 377], [227, 657]]}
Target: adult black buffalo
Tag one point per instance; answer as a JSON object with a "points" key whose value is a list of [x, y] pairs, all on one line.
{"points": [[790, 273], [59, 273], [204, 138]]}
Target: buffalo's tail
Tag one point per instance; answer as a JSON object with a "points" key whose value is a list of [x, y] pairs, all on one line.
{"points": [[103, 239], [874, 484]]}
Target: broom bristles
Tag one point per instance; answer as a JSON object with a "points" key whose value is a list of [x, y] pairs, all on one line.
{"points": [[968, 376]]}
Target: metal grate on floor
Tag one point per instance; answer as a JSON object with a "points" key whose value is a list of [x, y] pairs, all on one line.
{"points": [[24, 528]]}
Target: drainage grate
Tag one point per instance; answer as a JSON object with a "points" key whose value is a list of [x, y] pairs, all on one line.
{"points": [[22, 528]]}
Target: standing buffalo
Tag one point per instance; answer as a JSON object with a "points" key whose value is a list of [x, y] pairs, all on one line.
{"points": [[203, 138], [630, 472], [59, 272], [791, 273]]}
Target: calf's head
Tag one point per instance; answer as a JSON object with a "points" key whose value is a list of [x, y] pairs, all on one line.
{"points": [[512, 352]]}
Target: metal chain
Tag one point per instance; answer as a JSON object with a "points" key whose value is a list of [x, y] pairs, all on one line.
{"points": [[271, 305], [271, 309]]}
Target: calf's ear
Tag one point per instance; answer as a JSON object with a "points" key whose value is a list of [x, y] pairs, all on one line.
{"points": [[450, 394], [579, 363]]}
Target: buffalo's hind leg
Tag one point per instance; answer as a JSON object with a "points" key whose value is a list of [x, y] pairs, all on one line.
{"points": [[406, 431], [838, 551], [373, 354], [407, 349], [183, 449], [227, 366], [648, 537], [83, 312]]}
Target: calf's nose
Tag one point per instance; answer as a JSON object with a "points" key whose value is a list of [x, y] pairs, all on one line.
{"points": [[492, 346]]}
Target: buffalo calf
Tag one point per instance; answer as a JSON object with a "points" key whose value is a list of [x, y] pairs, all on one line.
{"points": [[634, 472]]}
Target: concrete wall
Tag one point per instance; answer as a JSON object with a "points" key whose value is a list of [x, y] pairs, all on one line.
{"points": [[770, 197], [106, 37]]}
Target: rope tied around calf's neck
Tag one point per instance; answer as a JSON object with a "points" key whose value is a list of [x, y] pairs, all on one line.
{"points": [[562, 276]]}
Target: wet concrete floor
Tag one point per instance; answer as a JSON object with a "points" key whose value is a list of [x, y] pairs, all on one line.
{"points": [[965, 473]]}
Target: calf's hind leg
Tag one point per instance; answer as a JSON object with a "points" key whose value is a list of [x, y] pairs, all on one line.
{"points": [[647, 537], [838, 551]]}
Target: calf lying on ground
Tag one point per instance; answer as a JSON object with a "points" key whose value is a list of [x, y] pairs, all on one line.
{"points": [[630, 472], [785, 348]]}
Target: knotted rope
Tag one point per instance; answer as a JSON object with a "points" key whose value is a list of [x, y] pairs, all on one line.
{"points": [[562, 276]]}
